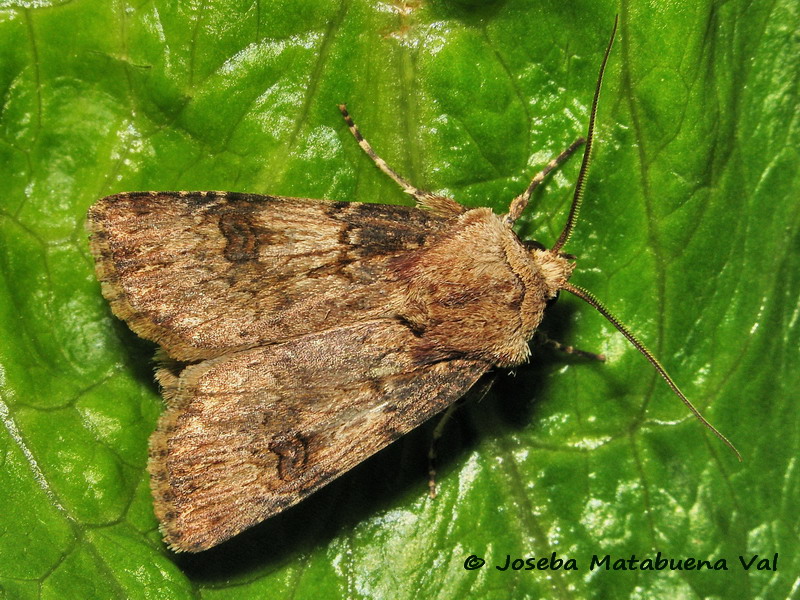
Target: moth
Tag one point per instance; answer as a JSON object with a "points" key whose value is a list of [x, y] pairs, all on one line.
{"points": [[298, 337]]}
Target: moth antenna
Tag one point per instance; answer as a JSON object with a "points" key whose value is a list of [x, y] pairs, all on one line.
{"points": [[589, 298], [587, 151], [379, 162]]}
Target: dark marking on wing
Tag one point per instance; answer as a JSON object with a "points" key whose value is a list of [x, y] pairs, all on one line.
{"points": [[292, 451]]}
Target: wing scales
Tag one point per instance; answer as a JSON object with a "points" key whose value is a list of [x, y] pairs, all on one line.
{"points": [[281, 266], [256, 431]]}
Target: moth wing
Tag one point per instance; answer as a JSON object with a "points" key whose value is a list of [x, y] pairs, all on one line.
{"points": [[204, 273], [250, 434]]}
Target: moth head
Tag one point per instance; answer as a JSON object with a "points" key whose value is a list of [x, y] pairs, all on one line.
{"points": [[554, 267]]}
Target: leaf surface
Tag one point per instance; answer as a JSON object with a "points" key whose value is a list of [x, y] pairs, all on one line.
{"points": [[689, 234]]}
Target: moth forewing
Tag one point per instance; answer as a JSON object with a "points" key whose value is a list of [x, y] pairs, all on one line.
{"points": [[258, 430]]}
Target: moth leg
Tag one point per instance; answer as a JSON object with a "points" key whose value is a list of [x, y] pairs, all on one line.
{"points": [[438, 431], [437, 434], [519, 203], [438, 204], [546, 341]]}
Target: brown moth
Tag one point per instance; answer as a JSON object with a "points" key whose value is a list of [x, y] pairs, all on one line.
{"points": [[299, 337]]}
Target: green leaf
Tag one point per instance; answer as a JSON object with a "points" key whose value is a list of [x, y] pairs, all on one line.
{"points": [[689, 234]]}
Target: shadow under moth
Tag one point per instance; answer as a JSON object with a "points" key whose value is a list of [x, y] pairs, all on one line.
{"points": [[298, 337]]}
